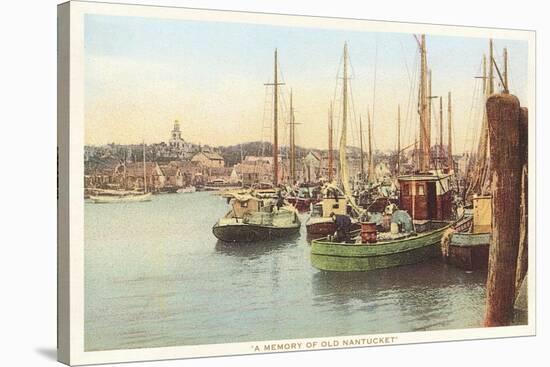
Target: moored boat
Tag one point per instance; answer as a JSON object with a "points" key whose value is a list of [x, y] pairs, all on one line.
{"points": [[336, 201], [468, 246], [253, 219], [389, 250], [261, 214], [469, 251], [122, 198]]}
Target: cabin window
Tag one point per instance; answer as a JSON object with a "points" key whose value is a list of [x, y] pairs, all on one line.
{"points": [[420, 190], [406, 189], [335, 206]]}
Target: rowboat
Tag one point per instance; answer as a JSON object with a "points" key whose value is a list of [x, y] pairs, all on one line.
{"points": [[390, 250], [123, 198]]}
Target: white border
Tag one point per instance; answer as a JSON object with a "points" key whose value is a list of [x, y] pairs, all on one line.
{"points": [[78, 9]]}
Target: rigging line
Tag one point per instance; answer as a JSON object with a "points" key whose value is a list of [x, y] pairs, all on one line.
{"points": [[478, 117], [336, 100], [472, 106], [410, 106], [409, 113], [353, 118], [373, 121], [477, 121], [352, 105], [405, 59]]}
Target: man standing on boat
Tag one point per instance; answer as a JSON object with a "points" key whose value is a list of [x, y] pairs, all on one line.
{"points": [[343, 226], [280, 200]]}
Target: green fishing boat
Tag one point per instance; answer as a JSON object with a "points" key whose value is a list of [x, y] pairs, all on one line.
{"points": [[400, 249]]}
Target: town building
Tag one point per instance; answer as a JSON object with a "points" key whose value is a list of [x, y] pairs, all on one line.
{"points": [[207, 158]]}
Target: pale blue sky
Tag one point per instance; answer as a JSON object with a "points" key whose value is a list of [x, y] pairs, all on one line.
{"points": [[142, 73]]}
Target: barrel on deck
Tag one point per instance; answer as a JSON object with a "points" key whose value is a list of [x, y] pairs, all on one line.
{"points": [[368, 232]]}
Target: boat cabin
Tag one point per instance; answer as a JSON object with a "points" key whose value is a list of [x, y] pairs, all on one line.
{"points": [[336, 205], [243, 204], [426, 196], [482, 214]]}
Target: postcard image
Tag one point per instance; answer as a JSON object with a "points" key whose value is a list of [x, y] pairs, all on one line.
{"points": [[235, 183]]}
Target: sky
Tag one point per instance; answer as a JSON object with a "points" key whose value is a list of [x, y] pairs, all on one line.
{"points": [[141, 74]]}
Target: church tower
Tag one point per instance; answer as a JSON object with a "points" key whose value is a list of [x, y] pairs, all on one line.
{"points": [[175, 139]]}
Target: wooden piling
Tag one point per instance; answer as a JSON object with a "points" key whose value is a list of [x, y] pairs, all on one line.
{"points": [[522, 262], [503, 112]]}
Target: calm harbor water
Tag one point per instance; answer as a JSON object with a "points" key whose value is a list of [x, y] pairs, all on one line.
{"points": [[155, 276]]}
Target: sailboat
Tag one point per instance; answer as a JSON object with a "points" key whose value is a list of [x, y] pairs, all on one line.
{"points": [[124, 196], [335, 200], [469, 249], [301, 196], [415, 233], [253, 217], [375, 193]]}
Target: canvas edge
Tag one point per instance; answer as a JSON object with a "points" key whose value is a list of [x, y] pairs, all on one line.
{"points": [[79, 356], [63, 184]]}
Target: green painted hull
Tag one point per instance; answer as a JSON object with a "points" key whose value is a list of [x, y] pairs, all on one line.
{"points": [[333, 256]]}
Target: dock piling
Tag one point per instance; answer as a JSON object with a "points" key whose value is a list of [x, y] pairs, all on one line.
{"points": [[503, 113]]}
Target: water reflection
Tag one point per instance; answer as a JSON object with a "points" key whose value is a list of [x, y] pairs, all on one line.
{"points": [[253, 250], [426, 296], [433, 273]]}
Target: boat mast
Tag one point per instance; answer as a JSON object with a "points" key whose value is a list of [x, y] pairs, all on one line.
{"points": [[362, 172], [343, 137], [398, 140], [450, 133], [275, 125], [292, 146], [441, 128], [428, 144], [370, 168], [144, 174], [424, 119], [330, 149]]}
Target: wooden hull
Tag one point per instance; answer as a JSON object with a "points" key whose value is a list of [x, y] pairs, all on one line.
{"points": [[322, 227], [333, 256], [469, 251], [240, 232]]}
